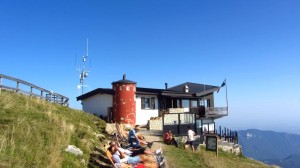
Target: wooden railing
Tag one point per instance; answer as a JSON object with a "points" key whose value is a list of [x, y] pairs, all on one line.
{"points": [[33, 90]]}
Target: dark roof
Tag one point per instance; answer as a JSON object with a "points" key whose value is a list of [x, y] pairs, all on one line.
{"points": [[195, 90], [152, 91], [94, 92], [193, 87], [149, 91], [124, 81]]}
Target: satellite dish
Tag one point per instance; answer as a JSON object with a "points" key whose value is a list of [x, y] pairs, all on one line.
{"points": [[85, 74]]}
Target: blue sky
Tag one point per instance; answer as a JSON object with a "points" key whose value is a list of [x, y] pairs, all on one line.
{"points": [[253, 44]]}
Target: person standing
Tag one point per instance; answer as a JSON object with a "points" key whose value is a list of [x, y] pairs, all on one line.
{"points": [[190, 138]]}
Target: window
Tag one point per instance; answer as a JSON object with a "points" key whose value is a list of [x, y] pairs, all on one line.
{"points": [[148, 102], [208, 102], [205, 102], [194, 103], [185, 103]]}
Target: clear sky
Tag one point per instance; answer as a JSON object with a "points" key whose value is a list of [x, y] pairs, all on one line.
{"points": [[254, 44]]}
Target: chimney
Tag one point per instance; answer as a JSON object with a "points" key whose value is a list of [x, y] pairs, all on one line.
{"points": [[124, 76], [166, 86]]}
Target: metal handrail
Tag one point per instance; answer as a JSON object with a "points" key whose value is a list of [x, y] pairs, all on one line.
{"points": [[49, 95], [216, 111]]}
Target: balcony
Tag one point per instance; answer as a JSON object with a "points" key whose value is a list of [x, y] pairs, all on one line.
{"points": [[216, 112], [201, 112], [209, 112]]}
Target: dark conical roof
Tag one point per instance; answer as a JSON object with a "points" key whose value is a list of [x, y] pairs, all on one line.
{"points": [[124, 81]]}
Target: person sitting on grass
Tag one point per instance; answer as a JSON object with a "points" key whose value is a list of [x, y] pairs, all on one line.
{"points": [[169, 139], [134, 140], [120, 155]]}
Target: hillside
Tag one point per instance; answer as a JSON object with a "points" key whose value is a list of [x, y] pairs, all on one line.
{"points": [[185, 158], [35, 133], [291, 161], [271, 147]]}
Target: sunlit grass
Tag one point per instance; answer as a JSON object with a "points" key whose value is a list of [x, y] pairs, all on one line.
{"points": [[178, 157], [34, 133]]}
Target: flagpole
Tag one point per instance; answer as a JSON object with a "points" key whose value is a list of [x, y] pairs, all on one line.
{"points": [[226, 95]]}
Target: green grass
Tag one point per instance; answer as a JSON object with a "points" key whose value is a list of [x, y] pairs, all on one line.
{"points": [[180, 158], [34, 133]]}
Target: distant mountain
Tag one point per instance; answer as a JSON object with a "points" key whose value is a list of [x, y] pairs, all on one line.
{"points": [[271, 147], [291, 161]]}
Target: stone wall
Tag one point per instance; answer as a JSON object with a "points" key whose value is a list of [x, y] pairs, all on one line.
{"points": [[230, 147], [222, 145], [171, 118], [176, 110], [155, 123]]}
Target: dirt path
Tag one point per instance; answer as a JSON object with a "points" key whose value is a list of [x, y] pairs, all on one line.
{"points": [[156, 137]]}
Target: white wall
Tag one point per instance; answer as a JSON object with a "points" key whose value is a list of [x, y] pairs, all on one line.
{"points": [[142, 116], [97, 104]]}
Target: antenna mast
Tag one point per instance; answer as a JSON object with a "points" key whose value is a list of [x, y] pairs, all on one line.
{"points": [[83, 72], [87, 47]]}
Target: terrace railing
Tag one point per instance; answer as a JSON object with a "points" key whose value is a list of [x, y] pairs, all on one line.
{"points": [[216, 111], [32, 90]]}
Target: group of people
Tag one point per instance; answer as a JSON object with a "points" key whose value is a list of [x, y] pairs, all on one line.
{"points": [[132, 154], [170, 140]]}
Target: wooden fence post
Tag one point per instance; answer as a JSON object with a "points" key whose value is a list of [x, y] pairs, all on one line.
{"points": [[17, 89], [0, 84], [48, 96]]}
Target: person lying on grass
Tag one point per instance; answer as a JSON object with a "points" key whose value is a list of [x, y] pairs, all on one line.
{"points": [[120, 155], [133, 151]]}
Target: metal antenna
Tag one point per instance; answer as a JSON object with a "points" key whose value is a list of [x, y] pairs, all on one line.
{"points": [[83, 72], [87, 47]]}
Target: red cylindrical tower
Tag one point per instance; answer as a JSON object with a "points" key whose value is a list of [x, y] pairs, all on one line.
{"points": [[124, 106]]}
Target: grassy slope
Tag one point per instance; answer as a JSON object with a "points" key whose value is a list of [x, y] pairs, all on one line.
{"points": [[177, 158], [34, 133]]}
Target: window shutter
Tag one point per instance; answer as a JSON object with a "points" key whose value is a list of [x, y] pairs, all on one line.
{"points": [[152, 102], [143, 103], [208, 102]]}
